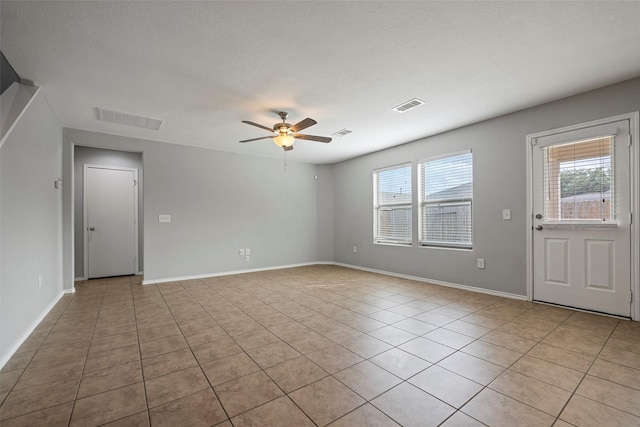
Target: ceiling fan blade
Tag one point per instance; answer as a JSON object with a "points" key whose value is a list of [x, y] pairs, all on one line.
{"points": [[255, 139], [303, 124], [312, 137], [257, 125]]}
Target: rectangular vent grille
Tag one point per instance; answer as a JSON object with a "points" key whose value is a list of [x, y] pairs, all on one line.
{"points": [[406, 106], [128, 119], [341, 133]]}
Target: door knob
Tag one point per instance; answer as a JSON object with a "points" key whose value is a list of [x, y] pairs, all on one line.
{"points": [[538, 216], [91, 228], [538, 227]]}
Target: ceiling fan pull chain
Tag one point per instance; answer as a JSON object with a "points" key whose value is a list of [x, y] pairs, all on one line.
{"points": [[285, 162]]}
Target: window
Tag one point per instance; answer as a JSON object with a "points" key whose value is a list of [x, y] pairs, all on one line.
{"points": [[578, 182], [392, 205], [446, 200]]}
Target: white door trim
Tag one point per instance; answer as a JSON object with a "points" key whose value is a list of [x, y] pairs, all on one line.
{"points": [[84, 213], [634, 131]]}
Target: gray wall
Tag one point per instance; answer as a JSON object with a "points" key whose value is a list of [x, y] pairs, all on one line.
{"points": [[98, 156], [31, 160], [499, 155], [324, 174], [219, 202]]}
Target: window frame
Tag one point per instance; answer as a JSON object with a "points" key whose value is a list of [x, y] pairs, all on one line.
{"points": [[423, 204], [377, 207]]}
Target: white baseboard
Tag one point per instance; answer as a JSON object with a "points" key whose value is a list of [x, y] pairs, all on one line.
{"points": [[437, 282], [355, 267], [80, 279], [139, 273], [69, 291], [226, 273], [12, 350]]}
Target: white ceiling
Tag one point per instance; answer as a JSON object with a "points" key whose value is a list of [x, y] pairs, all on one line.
{"points": [[202, 67]]}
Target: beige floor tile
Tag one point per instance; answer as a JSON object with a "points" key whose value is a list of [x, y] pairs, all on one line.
{"points": [[229, 368], [19, 361], [55, 416], [487, 321], [59, 370], [447, 386], [568, 359], [113, 341], [621, 357], [40, 396], [434, 318], [528, 330], [255, 339], [426, 349], [492, 353], [392, 335], [109, 406], [157, 332], [214, 350], [495, 409], [414, 326], [616, 373], [367, 379], [280, 412], [110, 358], [466, 328], [542, 396], [199, 409], [141, 419], [577, 340], [295, 373], [471, 367], [162, 346], [167, 363], [334, 358], [612, 394], [273, 354], [449, 338], [460, 419], [512, 342], [365, 416], [366, 346], [400, 363], [173, 386], [585, 412], [326, 400], [202, 336], [97, 382], [410, 406], [550, 373], [248, 392]]}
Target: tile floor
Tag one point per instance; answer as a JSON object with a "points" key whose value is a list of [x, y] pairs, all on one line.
{"points": [[318, 345]]}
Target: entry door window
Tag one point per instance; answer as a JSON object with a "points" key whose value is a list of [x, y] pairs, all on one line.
{"points": [[579, 182]]}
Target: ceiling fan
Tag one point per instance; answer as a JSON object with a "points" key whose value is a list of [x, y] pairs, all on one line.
{"points": [[285, 134]]}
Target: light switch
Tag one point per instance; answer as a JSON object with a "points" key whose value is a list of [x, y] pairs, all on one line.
{"points": [[247, 251], [506, 214], [164, 218], [241, 252]]}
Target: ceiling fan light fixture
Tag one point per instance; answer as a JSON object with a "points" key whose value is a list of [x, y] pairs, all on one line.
{"points": [[284, 140]]}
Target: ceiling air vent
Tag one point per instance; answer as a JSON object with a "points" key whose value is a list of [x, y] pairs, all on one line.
{"points": [[341, 133], [405, 106], [128, 119]]}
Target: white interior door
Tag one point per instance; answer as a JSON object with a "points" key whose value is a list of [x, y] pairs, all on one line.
{"points": [[110, 196], [581, 207]]}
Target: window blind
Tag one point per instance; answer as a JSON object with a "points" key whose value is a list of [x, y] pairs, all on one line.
{"points": [[392, 205], [579, 181], [446, 200]]}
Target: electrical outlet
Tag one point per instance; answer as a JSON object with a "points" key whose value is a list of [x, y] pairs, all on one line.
{"points": [[480, 262], [164, 218], [246, 259], [506, 214], [355, 249], [241, 252]]}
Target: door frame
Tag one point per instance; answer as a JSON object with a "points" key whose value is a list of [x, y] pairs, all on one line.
{"points": [[634, 203], [84, 213]]}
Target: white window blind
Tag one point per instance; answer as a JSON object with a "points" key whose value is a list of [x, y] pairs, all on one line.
{"points": [[392, 205], [446, 200], [579, 181]]}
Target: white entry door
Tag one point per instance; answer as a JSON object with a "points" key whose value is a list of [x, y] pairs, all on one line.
{"points": [[110, 196], [581, 225]]}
